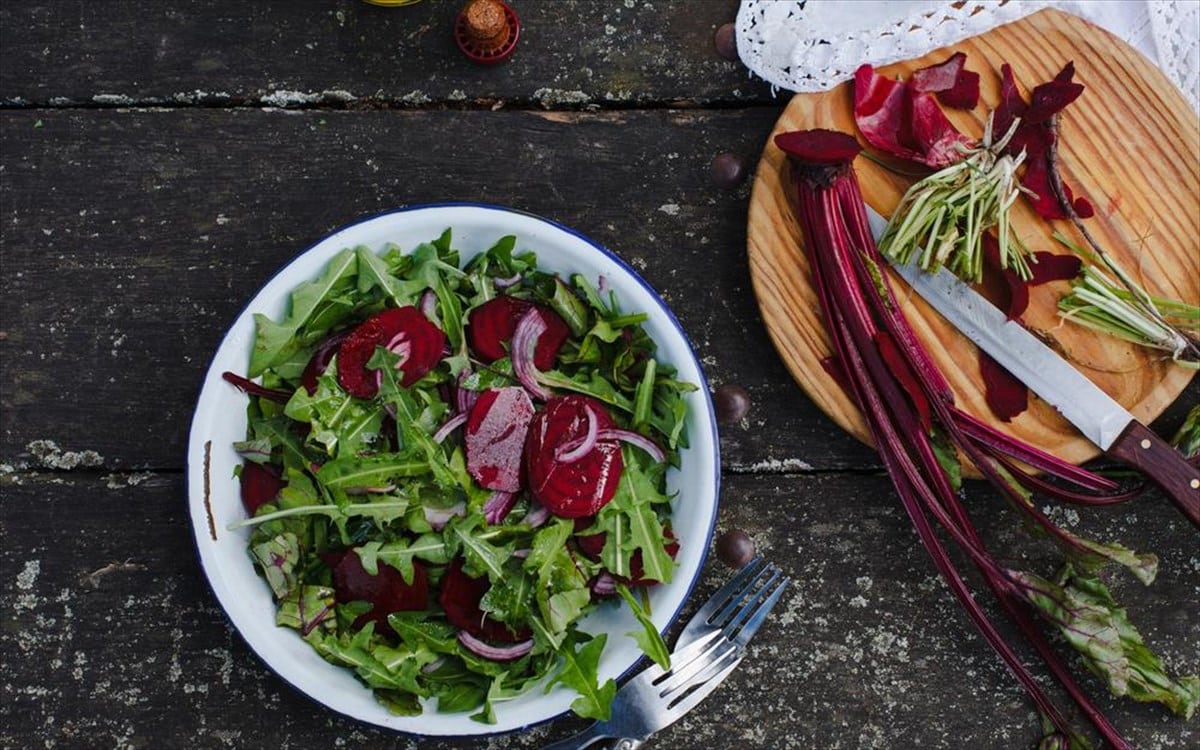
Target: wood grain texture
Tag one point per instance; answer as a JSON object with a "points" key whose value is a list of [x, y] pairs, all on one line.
{"points": [[1130, 144], [111, 638], [346, 53]]}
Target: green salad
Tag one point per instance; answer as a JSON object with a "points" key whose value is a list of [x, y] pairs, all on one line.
{"points": [[447, 466]]}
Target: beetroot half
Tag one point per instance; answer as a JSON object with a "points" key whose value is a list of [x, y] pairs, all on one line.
{"points": [[585, 485], [460, 597], [387, 590], [496, 428], [490, 328], [396, 328], [260, 484]]}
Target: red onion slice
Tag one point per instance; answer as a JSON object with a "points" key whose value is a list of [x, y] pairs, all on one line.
{"points": [[602, 285], [521, 554], [497, 507], [572, 451], [537, 514], [439, 517], [450, 426], [605, 584], [428, 305], [433, 665], [524, 341], [634, 438], [511, 281], [495, 653], [464, 398]]}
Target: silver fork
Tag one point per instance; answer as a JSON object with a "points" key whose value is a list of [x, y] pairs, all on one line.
{"points": [[710, 647]]}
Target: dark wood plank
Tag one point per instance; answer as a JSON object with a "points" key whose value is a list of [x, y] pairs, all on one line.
{"points": [[571, 54], [131, 240], [867, 650]]}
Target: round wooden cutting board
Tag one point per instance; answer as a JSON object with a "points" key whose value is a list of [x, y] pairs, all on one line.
{"points": [[1130, 144]]}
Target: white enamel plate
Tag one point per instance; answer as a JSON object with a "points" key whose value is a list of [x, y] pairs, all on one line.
{"points": [[220, 420]]}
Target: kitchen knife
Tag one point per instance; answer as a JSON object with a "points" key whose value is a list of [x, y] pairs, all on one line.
{"points": [[1093, 412]]}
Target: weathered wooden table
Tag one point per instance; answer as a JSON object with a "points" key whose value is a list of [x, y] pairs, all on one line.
{"points": [[159, 161]]}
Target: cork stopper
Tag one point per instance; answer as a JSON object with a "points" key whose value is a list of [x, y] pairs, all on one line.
{"points": [[486, 31]]}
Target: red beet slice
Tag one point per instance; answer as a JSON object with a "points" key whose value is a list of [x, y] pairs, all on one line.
{"points": [[585, 485], [460, 597], [950, 81], [1048, 267], [490, 327], [825, 147], [387, 590], [496, 429], [1035, 137], [1005, 395], [902, 122], [260, 484], [396, 327]]}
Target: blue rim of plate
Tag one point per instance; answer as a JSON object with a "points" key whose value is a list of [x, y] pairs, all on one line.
{"points": [[705, 393]]}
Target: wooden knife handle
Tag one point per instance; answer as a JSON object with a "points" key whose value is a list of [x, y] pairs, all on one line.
{"points": [[1154, 457]]}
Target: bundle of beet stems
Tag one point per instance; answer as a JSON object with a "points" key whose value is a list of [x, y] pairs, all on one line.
{"points": [[910, 411]]}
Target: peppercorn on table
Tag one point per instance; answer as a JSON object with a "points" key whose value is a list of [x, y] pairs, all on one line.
{"points": [[159, 162]]}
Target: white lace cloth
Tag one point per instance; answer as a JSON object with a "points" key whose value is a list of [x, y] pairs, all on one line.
{"points": [[812, 45]]}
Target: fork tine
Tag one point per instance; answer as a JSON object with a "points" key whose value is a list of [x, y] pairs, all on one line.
{"points": [[760, 615], [726, 617], [680, 706], [719, 599], [681, 675], [746, 606]]}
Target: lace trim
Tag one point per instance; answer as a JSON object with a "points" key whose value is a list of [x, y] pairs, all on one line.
{"points": [[812, 45]]}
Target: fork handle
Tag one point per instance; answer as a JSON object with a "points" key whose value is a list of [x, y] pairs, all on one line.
{"points": [[593, 734]]}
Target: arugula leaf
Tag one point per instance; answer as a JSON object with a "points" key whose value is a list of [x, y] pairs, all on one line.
{"points": [[374, 273], [341, 423], [579, 672], [355, 472], [274, 342], [481, 555], [400, 554], [648, 638]]}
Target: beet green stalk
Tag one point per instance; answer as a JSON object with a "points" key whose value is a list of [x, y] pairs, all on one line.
{"points": [[906, 401]]}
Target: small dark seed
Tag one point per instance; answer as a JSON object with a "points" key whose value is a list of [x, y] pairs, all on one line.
{"points": [[726, 42], [735, 548], [732, 403], [728, 171]]}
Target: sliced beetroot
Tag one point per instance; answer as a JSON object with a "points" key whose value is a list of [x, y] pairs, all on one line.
{"points": [[904, 123], [460, 597], [386, 591], [490, 329], [818, 146], [260, 484], [589, 544], [320, 360], [586, 484], [1006, 396], [1036, 135], [401, 329], [1046, 268], [496, 428], [954, 85]]}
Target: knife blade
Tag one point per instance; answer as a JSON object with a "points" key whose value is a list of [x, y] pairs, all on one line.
{"points": [[1093, 412]]}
